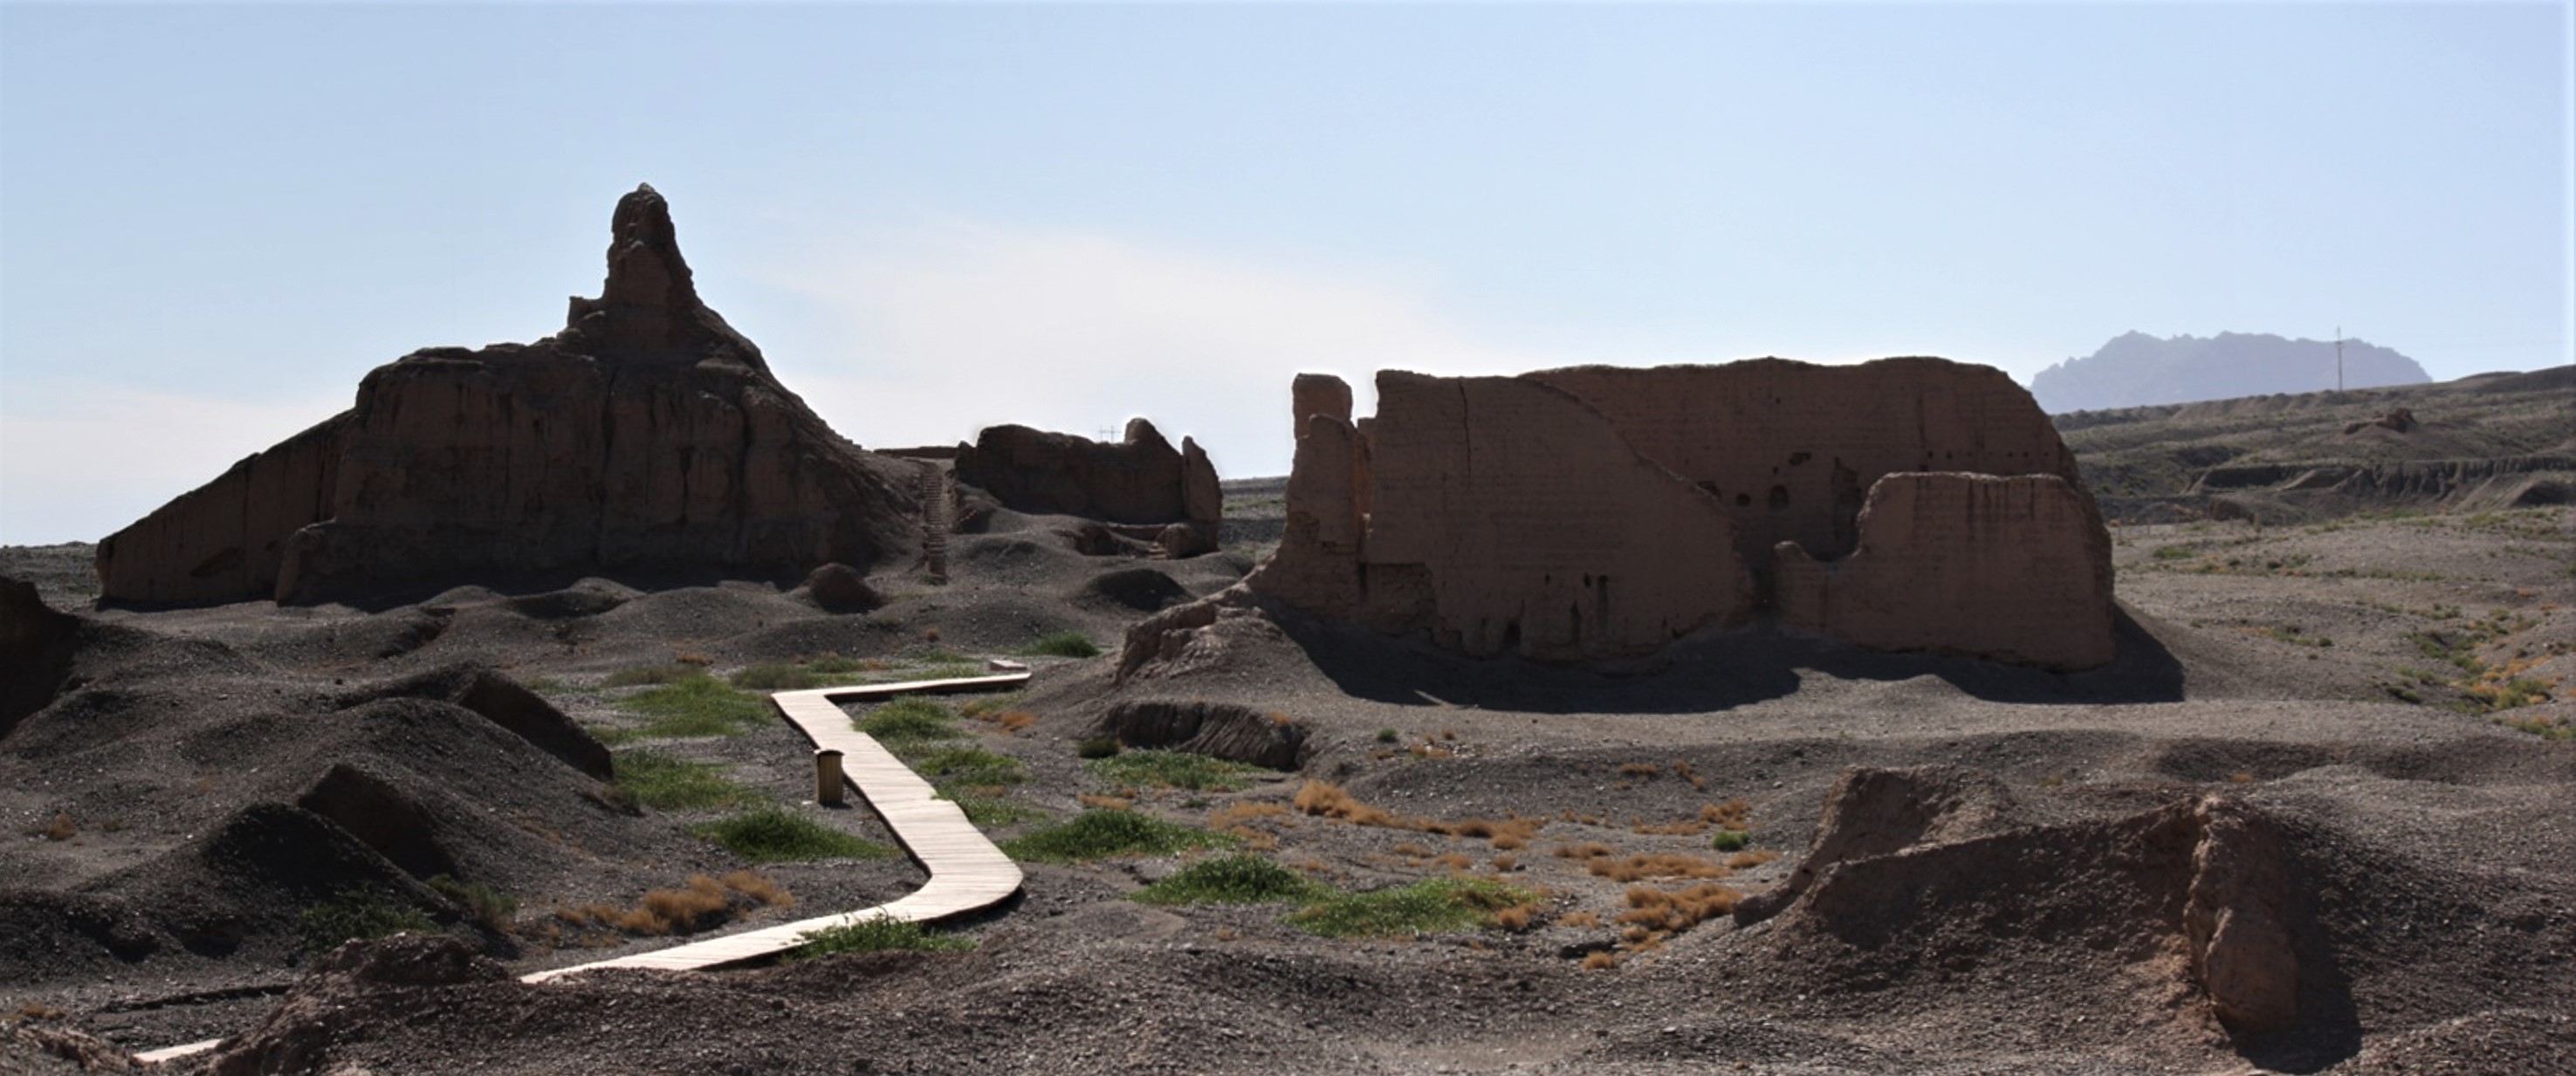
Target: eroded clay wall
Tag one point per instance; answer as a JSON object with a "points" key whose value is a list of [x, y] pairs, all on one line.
{"points": [[1791, 448], [225, 540], [1141, 479], [1595, 512], [2015, 568], [1508, 518]]}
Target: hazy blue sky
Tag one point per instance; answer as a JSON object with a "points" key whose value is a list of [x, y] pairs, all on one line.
{"points": [[215, 219]]}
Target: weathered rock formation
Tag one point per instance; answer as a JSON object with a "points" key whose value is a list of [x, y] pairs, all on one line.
{"points": [[1597, 512], [1141, 482], [648, 436]]}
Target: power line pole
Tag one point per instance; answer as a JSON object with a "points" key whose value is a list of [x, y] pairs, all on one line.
{"points": [[2338, 359]]}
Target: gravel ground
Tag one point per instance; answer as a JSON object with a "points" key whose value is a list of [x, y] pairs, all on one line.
{"points": [[2274, 666]]}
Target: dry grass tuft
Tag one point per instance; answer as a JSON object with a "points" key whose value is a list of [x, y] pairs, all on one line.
{"points": [[1578, 919], [1506, 863], [1600, 962], [1410, 849], [1009, 721], [1646, 771], [1732, 814], [59, 827], [1655, 911], [1653, 865], [759, 887], [1586, 850], [1685, 828], [1327, 800], [702, 903], [1753, 858], [1683, 770], [1236, 814], [1514, 918], [1107, 803], [1454, 861]]}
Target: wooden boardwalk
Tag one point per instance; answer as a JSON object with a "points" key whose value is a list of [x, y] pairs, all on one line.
{"points": [[967, 873]]}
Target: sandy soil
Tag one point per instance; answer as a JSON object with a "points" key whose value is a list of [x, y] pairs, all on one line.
{"points": [[2322, 674]]}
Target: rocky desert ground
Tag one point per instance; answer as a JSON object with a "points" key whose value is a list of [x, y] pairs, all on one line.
{"points": [[2352, 680], [319, 758]]}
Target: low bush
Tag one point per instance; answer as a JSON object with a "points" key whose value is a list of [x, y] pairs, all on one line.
{"points": [[1730, 840], [1430, 906], [358, 915], [776, 835], [1099, 747], [879, 935], [1172, 769], [1238, 878], [1064, 644], [665, 783], [1099, 834]]}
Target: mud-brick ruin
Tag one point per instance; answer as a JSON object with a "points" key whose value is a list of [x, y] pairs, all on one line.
{"points": [[1600, 512], [647, 435]]}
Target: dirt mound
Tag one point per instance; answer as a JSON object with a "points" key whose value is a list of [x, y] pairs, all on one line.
{"points": [[30, 1049], [297, 1035], [35, 646], [242, 888], [505, 703], [1140, 590], [1222, 730]]}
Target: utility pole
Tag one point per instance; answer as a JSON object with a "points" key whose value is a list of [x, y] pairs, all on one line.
{"points": [[2338, 359]]}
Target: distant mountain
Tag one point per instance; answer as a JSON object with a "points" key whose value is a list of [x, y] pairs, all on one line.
{"points": [[2135, 368]]}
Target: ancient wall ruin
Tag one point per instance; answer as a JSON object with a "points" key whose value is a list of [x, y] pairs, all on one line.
{"points": [[1140, 481], [648, 435], [1599, 512]]}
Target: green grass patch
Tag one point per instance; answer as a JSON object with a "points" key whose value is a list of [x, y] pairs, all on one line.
{"points": [[989, 705], [358, 915], [1730, 840], [1172, 769], [640, 675], [700, 705], [665, 783], [1064, 644], [484, 904], [776, 676], [2175, 552], [1237, 878], [907, 723], [879, 935], [1099, 747], [1100, 834], [1430, 906], [968, 766], [836, 665], [990, 812], [776, 835]]}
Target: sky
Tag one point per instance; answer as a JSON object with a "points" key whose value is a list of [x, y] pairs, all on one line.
{"points": [[215, 219]]}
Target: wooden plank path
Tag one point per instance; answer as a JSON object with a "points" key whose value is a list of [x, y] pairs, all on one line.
{"points": [[967, 873]]}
